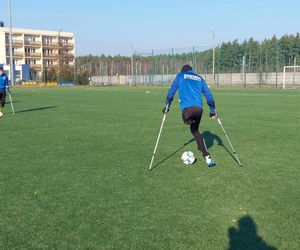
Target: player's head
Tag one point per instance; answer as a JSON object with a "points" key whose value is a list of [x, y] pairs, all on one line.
{"points": [[1, 71], [186, 68]]}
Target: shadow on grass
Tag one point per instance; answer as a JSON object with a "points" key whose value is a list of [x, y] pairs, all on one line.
{"points": [[177, 150], [245, 237], [36, 109], [209, 140]]}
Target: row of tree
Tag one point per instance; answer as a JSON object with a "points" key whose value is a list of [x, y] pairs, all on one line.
{"points": [[233, 56], [253, 56], [269, 55]]}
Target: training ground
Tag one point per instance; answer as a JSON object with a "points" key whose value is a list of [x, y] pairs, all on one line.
{"points": [[74, 171]]}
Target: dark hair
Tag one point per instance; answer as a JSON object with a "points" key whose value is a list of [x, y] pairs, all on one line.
{"points": [[1, 68], [186, 68]]}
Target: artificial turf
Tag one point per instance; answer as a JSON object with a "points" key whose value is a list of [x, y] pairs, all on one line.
{"points": [[74, 171]]}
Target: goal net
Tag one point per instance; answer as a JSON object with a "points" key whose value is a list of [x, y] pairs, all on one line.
{"points": [[291, 77]]}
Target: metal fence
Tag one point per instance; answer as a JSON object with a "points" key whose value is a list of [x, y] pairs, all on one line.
{"points": [[247, 64], [269, 79]]}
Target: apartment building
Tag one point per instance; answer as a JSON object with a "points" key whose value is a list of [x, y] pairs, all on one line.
{"points": [[39, 49]]}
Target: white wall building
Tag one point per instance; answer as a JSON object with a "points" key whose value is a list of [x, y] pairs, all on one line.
{"points": [[39, 49]]}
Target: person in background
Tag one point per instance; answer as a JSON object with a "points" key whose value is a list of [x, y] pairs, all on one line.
{"points": [[4, 87]]}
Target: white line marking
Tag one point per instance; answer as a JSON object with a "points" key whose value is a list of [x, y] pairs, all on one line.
{"points": [[124, 90], [241, 94]]}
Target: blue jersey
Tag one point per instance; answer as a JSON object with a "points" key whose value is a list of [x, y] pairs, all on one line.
{"points": [[3, 82], [190, 88]]}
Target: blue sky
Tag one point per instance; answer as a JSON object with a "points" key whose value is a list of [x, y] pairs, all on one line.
{"points": [[109, 26]]}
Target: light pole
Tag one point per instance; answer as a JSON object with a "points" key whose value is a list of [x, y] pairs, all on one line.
{"points": [[213, 42], [11, 64]]}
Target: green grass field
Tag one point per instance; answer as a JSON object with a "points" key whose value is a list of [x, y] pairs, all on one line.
{"points": [[73, 172]]}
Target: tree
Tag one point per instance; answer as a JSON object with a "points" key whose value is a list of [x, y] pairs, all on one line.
{"points": [[268, 55]]}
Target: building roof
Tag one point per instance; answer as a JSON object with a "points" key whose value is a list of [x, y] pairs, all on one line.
{"points": [[38, 32]]}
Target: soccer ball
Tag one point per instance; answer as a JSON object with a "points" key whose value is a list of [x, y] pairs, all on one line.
{"points": [[188, 158]]}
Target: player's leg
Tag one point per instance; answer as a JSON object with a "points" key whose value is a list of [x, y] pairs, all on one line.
{"points": [[2, 102], [195, 119], [200, 140], [192, 116]]}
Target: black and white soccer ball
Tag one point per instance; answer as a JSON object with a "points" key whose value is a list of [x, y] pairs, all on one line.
{"points": [[188, 158]]}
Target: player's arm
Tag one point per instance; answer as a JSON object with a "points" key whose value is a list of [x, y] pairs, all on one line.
{"points": [[210, 100], [171, 93]]}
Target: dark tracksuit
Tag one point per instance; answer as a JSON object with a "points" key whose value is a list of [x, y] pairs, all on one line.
{"points": [[3, 87], [190, 88]]}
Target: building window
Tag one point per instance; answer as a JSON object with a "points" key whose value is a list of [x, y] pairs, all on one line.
{"points": [[48, 40], [48, 51], [49, 62], [63, 51], [64, 41], [29, 38], [29, 50], [30, 62], [15, 37], [18, 75]]}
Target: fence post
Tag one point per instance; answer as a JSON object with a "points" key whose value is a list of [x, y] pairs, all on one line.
{"points": [[152, 67], [162, 75], [219, 54], [172, 61], [132, 61], [243, 71], [244, 66], [260, 67], [193, 57], [277, 62]]}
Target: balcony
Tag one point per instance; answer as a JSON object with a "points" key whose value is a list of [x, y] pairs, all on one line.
{"points": [[49, 66], [16, 54], [67, 45], [33, 43], [32, 54], [15, 42], [66, 56], [71, 56], [50, 55], [50, 44], [36, 66]]}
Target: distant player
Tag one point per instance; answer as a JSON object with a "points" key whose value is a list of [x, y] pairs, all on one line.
{"points": [[190, 88], [3, 88]]}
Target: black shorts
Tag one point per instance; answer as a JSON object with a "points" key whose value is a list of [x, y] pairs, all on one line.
{"points": [[2, 99], [192, 116]]}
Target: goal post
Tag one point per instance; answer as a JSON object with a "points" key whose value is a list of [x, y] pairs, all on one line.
{"points": [[291, 77]]}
